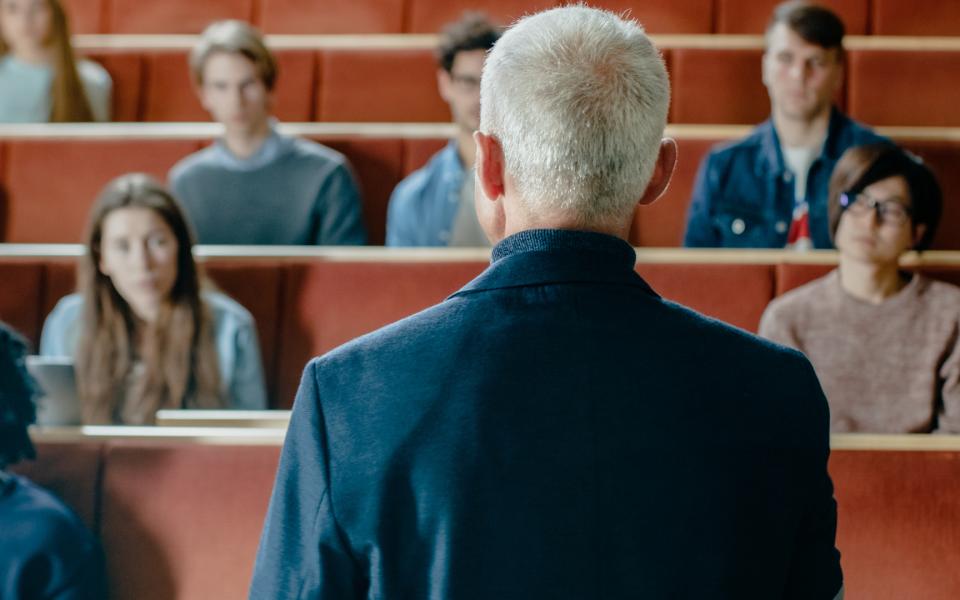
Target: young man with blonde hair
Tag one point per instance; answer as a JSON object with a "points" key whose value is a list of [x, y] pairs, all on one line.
{"points": [[255, 185]]}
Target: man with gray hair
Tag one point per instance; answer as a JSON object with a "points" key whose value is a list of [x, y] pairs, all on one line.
{"points": [[555, 429]]}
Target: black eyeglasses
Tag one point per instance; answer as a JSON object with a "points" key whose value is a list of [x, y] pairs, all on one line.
{"points": [[892, 211]]}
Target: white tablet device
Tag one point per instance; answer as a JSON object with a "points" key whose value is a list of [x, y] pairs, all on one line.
{"points": [[59, 403]]}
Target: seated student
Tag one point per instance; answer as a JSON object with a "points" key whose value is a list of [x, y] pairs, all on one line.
{"points": [[769, 190], [883, 342], [40, 80], [255, 185], [142, 334], [434, 205], [45, 551]]}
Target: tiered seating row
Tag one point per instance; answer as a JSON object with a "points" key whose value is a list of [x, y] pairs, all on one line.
{"points": [[880, 17], [86, 157], [308, 303], [176, 520], [328, 80]]}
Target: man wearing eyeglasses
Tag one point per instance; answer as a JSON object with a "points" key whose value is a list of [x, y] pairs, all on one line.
{"points": [[434, 205], [769, 190]]}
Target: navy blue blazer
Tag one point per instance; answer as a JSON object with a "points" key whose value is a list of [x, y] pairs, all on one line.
{"points": [[555, 429]]}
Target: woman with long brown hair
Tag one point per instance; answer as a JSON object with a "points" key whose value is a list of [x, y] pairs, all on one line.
{"points": [[40, 79], [142, 333]]}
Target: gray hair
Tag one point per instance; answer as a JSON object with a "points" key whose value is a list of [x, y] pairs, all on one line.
{"points": [[578, 99]]}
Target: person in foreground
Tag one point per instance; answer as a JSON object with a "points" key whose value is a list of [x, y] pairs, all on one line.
{"points": [[556, 429], [40, 78], [255, 185], [142, 332], [882, 340], [46, 553]]}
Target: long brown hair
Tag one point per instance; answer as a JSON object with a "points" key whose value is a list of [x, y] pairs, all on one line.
{"points": [[69, 102], [177, 350]]}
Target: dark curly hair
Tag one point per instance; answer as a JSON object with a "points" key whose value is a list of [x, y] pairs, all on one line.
{"points": [[17, 393]]}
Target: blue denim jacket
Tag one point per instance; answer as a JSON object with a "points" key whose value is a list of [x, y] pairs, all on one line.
{"points": [[424, 205], [743, 196]]}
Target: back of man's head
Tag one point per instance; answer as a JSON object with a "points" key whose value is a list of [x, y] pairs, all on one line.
{"points": [[578, 99], [16, 399], [815, 24]]}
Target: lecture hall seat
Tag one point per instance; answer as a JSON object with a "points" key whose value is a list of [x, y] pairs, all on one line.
{"points": [[752, 16], [331, 16], [172, 16], [891, 87], [910, 17]]}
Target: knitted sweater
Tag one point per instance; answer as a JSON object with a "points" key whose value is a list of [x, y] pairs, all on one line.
{"points": [[892, 367]]}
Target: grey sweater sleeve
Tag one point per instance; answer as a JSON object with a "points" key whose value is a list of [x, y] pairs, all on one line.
{"points": [[338, 210]]}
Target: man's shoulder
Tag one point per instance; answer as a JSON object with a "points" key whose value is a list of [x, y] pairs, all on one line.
{"points": [[413, 187], [313, 153], [42, 520], [746, 148], [192, 165]]}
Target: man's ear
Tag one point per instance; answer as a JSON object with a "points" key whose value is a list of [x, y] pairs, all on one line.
{"points": [[662, 172], [443, 84], [489, 165]]}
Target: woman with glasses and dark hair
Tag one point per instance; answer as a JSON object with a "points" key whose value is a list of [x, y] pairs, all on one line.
{"points": [[883, 341], [45, 551]]}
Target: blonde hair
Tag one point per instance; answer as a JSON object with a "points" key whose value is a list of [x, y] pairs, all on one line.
{"points": [[69, 102], [234, 37]]}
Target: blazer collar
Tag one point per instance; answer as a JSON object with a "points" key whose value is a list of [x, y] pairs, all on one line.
{"points": [[544, 256]]}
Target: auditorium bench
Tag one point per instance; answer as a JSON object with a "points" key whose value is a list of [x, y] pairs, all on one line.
{"points": [[86, 157], [881, 17], [179, 510], [307, 301], [890, 81]]}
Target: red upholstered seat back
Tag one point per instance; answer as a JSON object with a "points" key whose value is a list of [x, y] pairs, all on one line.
{"points": [[898, 531], [717, 86], [890, 87], [71, 470], [178, 16], [752, 16], [909, 17], [331, 16], [21, 302], [329, 303], [734, 293], [379, 85], [61, 178], [183, 520]]}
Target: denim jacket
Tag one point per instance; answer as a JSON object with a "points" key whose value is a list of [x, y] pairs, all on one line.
{"points": [[423, 206], [743, 196]]}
